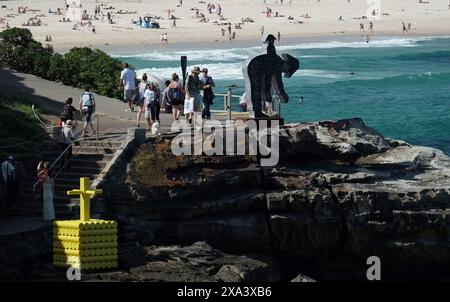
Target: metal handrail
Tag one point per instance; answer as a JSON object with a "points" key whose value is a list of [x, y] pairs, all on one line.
{"points": [[227, 97], [64, 155]]}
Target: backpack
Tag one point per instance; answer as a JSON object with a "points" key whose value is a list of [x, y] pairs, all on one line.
{"points": [[87, 99], [176, 96], [136, 99]]}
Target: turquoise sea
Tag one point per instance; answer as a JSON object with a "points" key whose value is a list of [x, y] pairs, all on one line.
{"points": [[400, 86]]}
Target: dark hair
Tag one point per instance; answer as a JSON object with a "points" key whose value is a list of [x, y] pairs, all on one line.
{"points": [[87, 87], [167, 83], [144, 77], [69, 101], [125, 65]]}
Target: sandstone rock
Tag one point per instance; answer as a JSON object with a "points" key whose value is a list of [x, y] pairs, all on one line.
{"points": [[302, 278], [198, 262]]}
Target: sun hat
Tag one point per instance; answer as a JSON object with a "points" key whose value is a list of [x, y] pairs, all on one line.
{"points": [[196, 69]]}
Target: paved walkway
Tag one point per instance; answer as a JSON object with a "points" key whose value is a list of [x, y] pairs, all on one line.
{"points": [[14, 224], [50, 96]]}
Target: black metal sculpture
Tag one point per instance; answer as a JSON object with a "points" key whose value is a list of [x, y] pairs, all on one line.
{"points": [[263, 76]]}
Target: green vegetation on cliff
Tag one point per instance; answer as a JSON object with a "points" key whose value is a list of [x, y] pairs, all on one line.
{"points": [[77, 68], [17, 126]]}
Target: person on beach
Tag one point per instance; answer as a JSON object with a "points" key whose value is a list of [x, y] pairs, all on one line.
{"points": [[176, 96], [128, 84], [193, 87], [87, 108], [279, 37], [404, 27], [152, 107], [208, 94]]}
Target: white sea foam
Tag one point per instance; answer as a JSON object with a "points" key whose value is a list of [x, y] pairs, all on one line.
{"points": [[233, 71], [236, 54], [219, 71]]}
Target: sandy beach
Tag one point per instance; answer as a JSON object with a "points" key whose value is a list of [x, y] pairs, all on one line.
{"points": [[293, 19]]}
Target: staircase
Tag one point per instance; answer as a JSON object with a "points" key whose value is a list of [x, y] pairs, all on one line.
{"points": [[89, 158]]}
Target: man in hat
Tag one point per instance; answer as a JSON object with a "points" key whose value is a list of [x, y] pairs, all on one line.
{"points": [[208, 94], [9, 178], [193, 87]]}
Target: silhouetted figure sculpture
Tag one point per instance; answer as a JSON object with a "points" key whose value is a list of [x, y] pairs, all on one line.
{"points": [[263, 76]]}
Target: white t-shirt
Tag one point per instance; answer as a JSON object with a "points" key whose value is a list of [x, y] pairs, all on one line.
{"points": [[142, 87], [149, 96], [128, 77]]}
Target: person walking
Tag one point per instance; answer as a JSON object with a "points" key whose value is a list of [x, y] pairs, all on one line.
{"points": [[193, 87], [165, 98], [176, 96], [69, 113], [69, 139], [87, 108], [128, 83], [9, 178], [208, 94], [152, 107]]}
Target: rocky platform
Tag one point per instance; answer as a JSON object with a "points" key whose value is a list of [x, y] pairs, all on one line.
{"points": [[341, 192]]}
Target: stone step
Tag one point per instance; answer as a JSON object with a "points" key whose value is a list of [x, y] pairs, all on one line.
{"points": [[81, 163], [89, 170], [92, 157], [61, 212], [93, 150], [104, 144]]}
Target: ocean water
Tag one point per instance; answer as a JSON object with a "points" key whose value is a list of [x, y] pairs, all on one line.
{"points": [[400, 86]]}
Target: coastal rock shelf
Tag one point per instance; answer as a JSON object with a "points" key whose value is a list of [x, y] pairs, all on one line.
{"points": [[341, 192]]}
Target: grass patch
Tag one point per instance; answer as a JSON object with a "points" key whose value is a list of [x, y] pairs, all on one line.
{"points": [[17, 125]]}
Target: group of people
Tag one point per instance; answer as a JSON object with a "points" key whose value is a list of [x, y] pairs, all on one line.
{"points": [[11, 179], [174, 98]]}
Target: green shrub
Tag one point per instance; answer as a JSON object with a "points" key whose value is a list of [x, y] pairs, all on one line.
{"points": [[78, 68]]}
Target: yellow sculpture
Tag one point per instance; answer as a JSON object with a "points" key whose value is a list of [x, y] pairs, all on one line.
{"points": [[85, 198], [86, 243]]}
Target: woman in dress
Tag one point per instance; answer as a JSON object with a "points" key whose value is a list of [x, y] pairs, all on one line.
{"points": [[48, 188]]}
